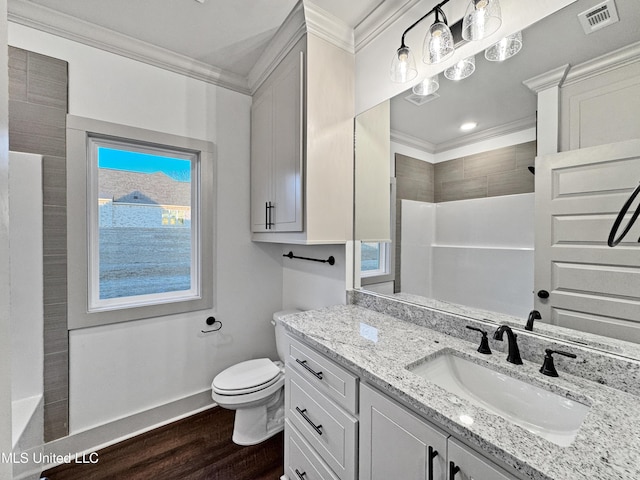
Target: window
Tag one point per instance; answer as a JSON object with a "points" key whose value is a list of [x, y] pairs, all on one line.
{"points": [[141, 219], [374, 259]]}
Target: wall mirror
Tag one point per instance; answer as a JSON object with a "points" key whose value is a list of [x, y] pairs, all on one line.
{"points": [[461, 231]]}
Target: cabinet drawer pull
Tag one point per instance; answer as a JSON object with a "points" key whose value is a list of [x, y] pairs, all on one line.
{"points": [[432, 454], [453, 469], [317, 428], [300, 475], [318, 375]]}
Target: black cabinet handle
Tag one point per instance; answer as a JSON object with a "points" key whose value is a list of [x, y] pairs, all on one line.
{"points": [[432, 454], [317, 428], [318, 375], [300, 475], [543, 294], [453, 469]]}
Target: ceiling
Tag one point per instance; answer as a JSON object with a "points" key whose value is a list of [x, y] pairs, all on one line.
{"points": [[495, 95], [229, 35]]}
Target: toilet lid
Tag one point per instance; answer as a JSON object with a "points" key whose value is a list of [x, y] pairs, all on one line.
{"points": [[248, 374]]}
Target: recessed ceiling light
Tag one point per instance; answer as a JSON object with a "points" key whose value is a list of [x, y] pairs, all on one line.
{"points": [[465, 127]]}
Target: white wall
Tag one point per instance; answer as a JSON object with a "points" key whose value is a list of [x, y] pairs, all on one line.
{"points": [[5, 277], [121, 369]]}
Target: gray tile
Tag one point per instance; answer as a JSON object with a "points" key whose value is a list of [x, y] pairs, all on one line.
{"points": [[461, 189], [486, 163], [56, 377], [55, 279], [56, 338], [54, 181], [448, 171], [33, 143], [56, 420], [54, 221], [510, 183], [526, 154], [17, 74], [39, 120], [47, 80]]}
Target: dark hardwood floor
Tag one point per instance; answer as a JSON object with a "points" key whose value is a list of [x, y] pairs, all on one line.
{"points": [[195, 448]]}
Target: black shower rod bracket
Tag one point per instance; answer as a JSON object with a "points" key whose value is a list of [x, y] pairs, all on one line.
{"points": [[330, 260]]}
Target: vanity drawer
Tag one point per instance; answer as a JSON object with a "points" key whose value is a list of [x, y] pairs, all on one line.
{"points": [[330, 430], [327, 376], [301, 462]]}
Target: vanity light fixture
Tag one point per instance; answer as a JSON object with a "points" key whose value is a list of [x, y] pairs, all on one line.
{"points": [[505, 48], [462, 69], [483, 18], [427, 86], [465, 127]]}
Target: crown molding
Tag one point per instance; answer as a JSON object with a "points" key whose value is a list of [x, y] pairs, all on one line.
{"points": [[65, 26], [289, 33], [328, 27], [380, 19], [411, 141], [489, 133], [552, 78], [605, 63]]}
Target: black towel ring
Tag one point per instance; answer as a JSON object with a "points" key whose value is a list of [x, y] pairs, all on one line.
{"points": [[612, 242]]}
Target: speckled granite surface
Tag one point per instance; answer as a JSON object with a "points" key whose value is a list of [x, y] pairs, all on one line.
{"points": [[378, 347]]}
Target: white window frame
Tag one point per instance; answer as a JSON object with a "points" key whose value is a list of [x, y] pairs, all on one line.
{"points": [[85, 308], [384, 261]]}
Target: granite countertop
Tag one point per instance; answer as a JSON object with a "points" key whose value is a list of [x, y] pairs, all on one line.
{"points": [[378, 347]]}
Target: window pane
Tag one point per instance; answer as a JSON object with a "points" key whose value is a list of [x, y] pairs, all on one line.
{"points": [[370, 257], [145, 234]]}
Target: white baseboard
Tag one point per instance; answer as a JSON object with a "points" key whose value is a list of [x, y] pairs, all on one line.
{"points": [[89, 441]]}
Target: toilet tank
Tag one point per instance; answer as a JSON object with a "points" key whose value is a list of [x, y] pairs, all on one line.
{"points": [[280, 330]]}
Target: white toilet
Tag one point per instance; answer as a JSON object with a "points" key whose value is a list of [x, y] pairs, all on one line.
{"points": [[255, 390]]}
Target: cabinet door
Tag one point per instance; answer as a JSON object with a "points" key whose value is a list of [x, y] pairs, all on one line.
{"points": [[287, 144], [261, 154], [465, 464], [394, 443]]}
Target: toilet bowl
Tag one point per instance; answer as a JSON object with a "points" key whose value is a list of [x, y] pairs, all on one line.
{"points": [[254, 389]]}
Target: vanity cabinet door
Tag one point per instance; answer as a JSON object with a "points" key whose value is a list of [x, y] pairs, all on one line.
{"points": [[465, 464], [394, 443]]}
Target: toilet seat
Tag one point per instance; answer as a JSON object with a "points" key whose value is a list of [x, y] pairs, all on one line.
{"points": [[247, 377]]}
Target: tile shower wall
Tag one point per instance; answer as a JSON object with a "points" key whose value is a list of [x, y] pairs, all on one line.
{"points": [[489, 174], [37, 124]]}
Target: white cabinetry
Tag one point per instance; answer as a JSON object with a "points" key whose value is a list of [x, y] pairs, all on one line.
{"points": [[276, 148], [321, 429], [395, 443], [302, 147]]}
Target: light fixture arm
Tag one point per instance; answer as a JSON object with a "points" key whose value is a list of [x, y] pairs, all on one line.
{"points": [[437, 10]]}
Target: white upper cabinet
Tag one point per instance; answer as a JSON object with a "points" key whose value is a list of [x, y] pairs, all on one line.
{"points": [[302, 147]]}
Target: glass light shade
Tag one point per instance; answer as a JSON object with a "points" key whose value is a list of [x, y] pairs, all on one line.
{"points": [[438, 44], [483, 17], [403, 66], [427, 86], [462, 69], [505, 48]]}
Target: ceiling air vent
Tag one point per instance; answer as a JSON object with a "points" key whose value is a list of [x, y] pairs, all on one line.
{"points": [[421, 99], [599, 16]]}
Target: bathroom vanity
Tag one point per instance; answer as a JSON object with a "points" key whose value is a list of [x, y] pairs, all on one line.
{"points": [[366, 399]]}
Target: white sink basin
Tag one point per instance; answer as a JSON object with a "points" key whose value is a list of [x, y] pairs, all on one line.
{"points": [[540, 411]]}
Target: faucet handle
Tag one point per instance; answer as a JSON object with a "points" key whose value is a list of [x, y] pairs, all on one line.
{"points": [[484, 341], [548, 368]]}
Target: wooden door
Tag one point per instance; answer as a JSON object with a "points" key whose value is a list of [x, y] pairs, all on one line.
{"points": [[592, 287]]}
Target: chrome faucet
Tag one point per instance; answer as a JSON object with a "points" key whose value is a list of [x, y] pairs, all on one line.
{"points": [[514, 351]]}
